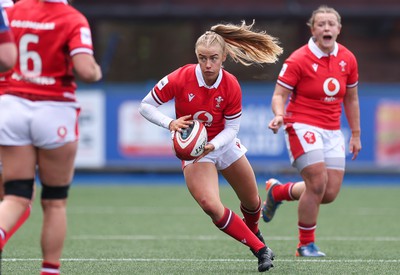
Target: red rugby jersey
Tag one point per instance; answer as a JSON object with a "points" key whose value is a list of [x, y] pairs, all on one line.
{"points": [[210, 105], [318, 83], [48, 34], [6, 4]]}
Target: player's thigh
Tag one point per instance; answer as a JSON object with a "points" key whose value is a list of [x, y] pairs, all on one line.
{"points": [[335, 179], [240, 176], [315, 177], [18, 162], [56, 166], [202, 181]]}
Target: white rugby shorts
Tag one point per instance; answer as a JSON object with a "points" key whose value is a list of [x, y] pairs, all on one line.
{"points": [[44, 124], [224, 156], [303, 138]]}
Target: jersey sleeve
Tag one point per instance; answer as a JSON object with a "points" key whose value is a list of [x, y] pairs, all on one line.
{"points": [[166, 88], [234, 109], [80, 40], [352, 80], [290, 73]]}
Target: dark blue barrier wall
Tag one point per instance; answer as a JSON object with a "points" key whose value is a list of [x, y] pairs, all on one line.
{"points": [[135, 144]]}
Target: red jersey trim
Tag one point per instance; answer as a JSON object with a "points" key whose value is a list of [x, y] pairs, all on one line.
{"points": [[283, 84], [155, 97], [352, 85], [81, 50], [233, 116]]}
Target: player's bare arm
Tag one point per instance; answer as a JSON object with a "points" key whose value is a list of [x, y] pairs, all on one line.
{"points": [[8, 56], [279, 99], [86, 67], [352, 111]]}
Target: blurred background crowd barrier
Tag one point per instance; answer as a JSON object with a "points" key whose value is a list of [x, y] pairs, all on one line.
{"points": [[139, 42]]}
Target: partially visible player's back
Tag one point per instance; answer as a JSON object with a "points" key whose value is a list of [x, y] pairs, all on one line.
{"points": [[48, 34], [6, 4]]}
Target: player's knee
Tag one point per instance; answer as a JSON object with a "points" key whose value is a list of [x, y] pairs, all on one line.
{"points": [[54, 192], [208, 207], [329, 197], [19, 188]]}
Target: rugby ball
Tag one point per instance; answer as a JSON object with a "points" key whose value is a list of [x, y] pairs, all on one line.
{"points": [[190, 143]]}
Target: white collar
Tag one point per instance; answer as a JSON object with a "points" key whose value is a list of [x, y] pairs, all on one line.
{"points": [[317, 51], [202, 83]]}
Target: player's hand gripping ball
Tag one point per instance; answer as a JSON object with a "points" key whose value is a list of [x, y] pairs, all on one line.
{"points": [[190, 143]]}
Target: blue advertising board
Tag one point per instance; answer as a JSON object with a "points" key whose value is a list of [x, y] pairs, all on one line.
{"points": [[134, 143]]}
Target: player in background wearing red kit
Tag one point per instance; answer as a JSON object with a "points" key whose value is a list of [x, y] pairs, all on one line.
{"points": [[39, 116], [6, 4], [319, 77], [209, 94], [8, 57], [8, 50]]}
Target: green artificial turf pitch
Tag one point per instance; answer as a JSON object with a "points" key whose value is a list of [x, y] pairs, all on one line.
{"points": [[159, 229]]}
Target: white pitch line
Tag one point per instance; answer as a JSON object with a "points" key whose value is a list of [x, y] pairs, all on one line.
{"points": [[208, 260], [215, 237]]}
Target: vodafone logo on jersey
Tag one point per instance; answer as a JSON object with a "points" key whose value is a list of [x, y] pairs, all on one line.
{"points": [[204, 117], [331, 86]]}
